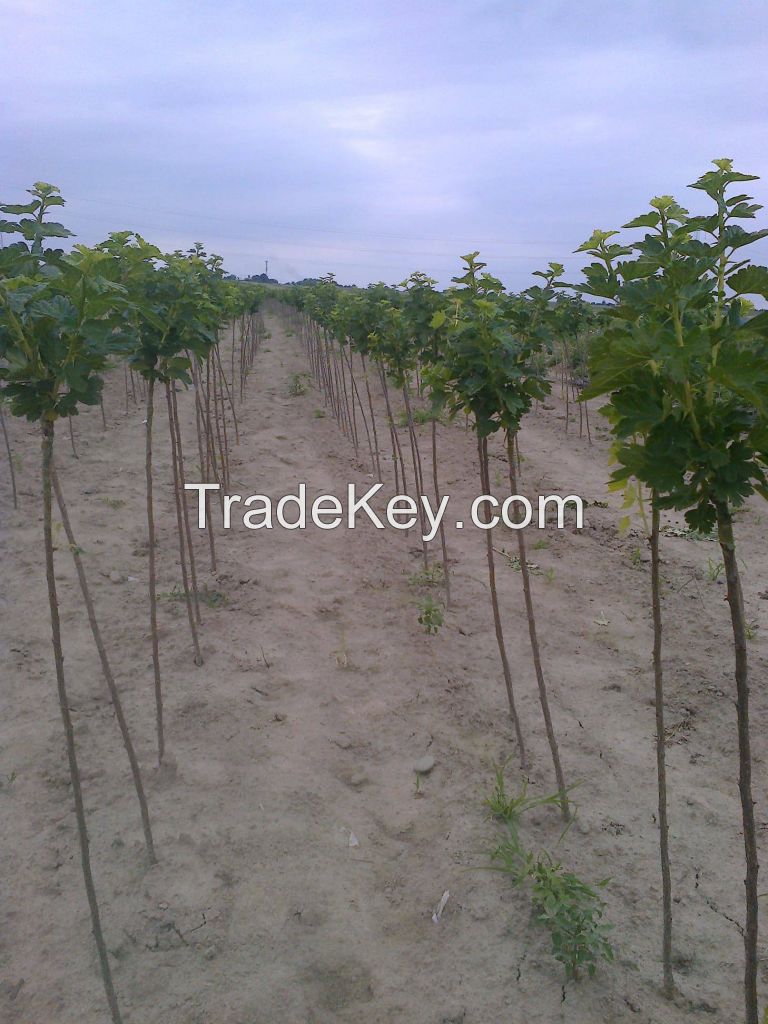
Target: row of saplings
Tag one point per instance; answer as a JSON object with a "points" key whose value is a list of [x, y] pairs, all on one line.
{"points": [[681, 356], [65, 318]]}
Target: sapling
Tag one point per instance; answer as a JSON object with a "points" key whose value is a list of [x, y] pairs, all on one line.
{"points": [[392, 342], [529, 315], [424, 310], [474, 368], [57, 328], [490, 369], [686, 369], [138, 260]]}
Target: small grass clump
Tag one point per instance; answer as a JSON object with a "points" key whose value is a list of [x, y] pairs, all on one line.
{"points": [[434, 576], [299, 385], [431, 616], [570, 910]]}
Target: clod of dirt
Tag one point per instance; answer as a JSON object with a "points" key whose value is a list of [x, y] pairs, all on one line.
{"points": [[454, 1018], [424, 765]]}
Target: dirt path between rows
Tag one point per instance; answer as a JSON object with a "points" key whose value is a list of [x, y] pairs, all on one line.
{"points": [[299, 861]]}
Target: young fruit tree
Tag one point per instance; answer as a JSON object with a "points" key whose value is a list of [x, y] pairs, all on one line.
{"points": [[489, 369], [59, 322], [684, 361]]}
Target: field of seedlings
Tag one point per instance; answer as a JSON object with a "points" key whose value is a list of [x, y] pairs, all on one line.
{"points": [[439, 774]]}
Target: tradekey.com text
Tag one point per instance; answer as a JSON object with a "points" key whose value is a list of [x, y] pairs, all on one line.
{"points": [[401, 512]]}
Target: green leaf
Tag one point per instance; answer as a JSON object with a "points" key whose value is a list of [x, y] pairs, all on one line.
{"points": [[751, 280], [18, 208], [645, 220]]}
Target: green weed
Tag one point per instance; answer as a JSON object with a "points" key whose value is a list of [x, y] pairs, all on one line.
{"points": [[299, 384], [431, 615], [432, 577], [714, 569], [571, 910]]}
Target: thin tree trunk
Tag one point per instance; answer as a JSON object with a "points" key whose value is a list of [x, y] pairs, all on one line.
{"points": [[234, 320], [351, 400], [566, 382], [180, 530], [152, 577], [184, 503], [356, 394], [586, 418], [661, 766], [10, 458], [373, 418], [531, 616], [72, 437], [736, 603], [66, 717], [438, 498], [223, 459], [106, 667], [485, 484], [229, 396], [397, 452], [203, 460], [417, 473]]}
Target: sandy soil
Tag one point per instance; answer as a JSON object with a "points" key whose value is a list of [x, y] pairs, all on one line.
{"points": [[319, 693]]}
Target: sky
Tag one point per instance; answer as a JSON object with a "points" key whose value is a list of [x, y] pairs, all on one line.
{"points": [[373, 139]]}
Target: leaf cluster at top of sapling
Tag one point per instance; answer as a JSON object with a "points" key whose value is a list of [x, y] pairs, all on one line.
{"points": [[60, 315], [488, 366], [686, 368], [683, 357]]}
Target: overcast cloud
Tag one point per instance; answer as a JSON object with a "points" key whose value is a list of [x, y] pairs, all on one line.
{"points": [[375, 138]]}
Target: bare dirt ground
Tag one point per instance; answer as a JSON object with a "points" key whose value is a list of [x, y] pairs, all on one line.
{"points": [[319, 693]]}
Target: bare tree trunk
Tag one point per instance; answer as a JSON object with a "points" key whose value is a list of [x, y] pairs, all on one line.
{"points": [[199, 423], [180, 529], [567, 382], [736, 602], [106, 668], [152, 576], [661, 766], [373, 418], [72, 437], [485, 484], [176, 425], [531, 616], [229, 396], [356, 394], [417, 473], [10, 457], [586, 418], [69, 735], [397, 453], [438, 498]]}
